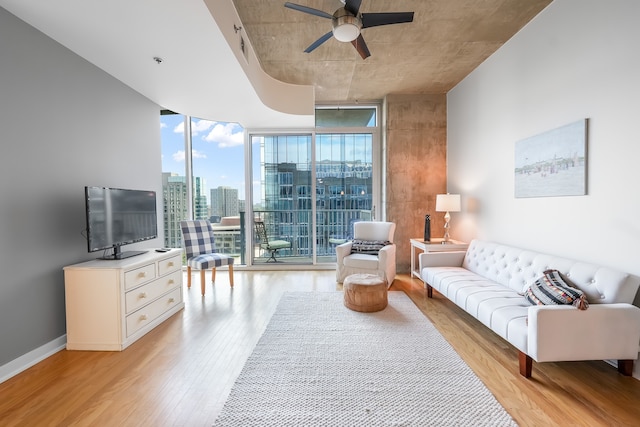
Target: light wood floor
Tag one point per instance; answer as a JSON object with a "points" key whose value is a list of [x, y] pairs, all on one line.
{"points": [[181, 373]]}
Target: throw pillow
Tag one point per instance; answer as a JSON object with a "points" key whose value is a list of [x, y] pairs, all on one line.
{"points": [[553, 288], [369, 247]]}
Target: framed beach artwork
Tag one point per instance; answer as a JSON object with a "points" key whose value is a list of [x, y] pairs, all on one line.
{"points": [[553, 163]]}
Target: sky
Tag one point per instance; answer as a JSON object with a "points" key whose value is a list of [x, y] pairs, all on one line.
{"points": [[218, 151]]}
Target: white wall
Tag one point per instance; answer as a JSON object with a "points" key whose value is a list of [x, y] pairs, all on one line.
{"points": [[64, 124], [577, 59]]}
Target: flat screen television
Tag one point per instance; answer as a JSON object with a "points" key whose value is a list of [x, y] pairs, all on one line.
{"points": [[118, 217]]}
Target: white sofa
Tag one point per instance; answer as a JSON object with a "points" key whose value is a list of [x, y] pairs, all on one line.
{"points": [[488, 280], [382, 265]]}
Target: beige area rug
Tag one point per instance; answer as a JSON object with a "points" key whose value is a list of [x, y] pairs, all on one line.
{"points": [[321, 364]]}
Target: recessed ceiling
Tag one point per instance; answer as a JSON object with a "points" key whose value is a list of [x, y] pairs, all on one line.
{"points": [[203, 75], [445, 42]]}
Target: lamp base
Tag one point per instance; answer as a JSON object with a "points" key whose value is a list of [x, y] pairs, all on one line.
{"points": [[446, 238]]}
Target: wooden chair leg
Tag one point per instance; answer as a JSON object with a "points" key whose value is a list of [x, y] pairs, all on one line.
{"points": [[202, 284], [188, 277], [213, 275], [231, 275]]}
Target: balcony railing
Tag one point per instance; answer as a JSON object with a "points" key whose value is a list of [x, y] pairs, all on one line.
{"points": [[333, 227]]}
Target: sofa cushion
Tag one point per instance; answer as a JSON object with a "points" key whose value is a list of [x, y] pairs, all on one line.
{"points": [[554, 289], [370, 247]]}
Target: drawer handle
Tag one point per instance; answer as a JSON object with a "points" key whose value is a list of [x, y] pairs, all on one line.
{"points": [[171, 300], [170, 263], [142, 295], [143, 317], [142, 274], [171, 282]]}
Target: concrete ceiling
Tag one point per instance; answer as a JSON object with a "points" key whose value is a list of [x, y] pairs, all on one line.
{"points": [[445, 42], [205, 73]]}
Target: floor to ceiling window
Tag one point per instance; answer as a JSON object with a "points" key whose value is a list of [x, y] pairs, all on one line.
{"points": [[307, 188], [203, 178], [344, 187], [282, 198], [175, 196]]}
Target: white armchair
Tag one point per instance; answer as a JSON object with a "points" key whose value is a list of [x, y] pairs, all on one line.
{"points": [[383, 264]]}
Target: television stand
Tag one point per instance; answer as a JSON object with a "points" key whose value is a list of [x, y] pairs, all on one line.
{"points": [[110, 305]]}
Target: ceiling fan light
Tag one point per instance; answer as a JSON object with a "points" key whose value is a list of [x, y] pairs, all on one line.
{"points": [[346, 28], [346, 32]]}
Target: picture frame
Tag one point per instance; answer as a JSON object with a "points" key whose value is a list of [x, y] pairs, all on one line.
{"points": [[553, 163]]}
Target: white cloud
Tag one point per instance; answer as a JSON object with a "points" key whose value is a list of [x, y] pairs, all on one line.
{"points": [[179, 156], [198, 155], [201, 126], [197, 126], [163, 125], [226, 135]]}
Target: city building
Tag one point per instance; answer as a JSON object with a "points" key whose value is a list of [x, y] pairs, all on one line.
{"points": [[224, 202]]}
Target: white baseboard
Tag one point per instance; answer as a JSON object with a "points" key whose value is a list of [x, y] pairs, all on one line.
{"points": [[26, 361]]}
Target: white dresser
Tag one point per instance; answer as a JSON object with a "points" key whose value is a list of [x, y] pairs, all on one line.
{"points": [[111, 304]]}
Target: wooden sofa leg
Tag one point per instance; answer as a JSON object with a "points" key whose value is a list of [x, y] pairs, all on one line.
{"points": [[625, 367], [429, 291], [526, 363]]}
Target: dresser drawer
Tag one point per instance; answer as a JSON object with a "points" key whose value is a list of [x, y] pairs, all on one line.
{"points": [[133, 278], [151, 312], [141, 296], [169, 265]]}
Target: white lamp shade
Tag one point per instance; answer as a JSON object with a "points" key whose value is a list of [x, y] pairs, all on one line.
{"points": [[448, 203]]}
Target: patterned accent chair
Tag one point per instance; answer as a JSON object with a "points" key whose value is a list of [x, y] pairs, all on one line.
{"points": [[381, 261], [199, 245]]}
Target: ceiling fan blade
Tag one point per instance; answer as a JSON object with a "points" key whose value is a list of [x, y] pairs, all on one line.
{"points": [[318, 42], [377, 19], [361, 47], [308, 10], [353, 6]]}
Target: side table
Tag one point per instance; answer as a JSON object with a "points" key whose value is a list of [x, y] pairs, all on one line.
{"points": [[434, 245]]}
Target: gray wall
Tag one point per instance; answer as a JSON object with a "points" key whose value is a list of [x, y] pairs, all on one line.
{"points": [[577, 59], [64, 124]]}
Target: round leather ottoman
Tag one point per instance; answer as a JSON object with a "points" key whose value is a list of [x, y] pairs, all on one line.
{"points": [[365, 292]]}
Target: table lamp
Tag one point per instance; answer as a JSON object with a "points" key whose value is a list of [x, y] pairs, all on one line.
{"points": [[447, 203]]}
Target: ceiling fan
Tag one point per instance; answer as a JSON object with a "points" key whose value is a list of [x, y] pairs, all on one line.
{"points": [[348, 22]]}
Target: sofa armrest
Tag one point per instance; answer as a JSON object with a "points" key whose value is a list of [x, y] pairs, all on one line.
{"points": [[441, 259], [342, 251], [564, 333]]}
